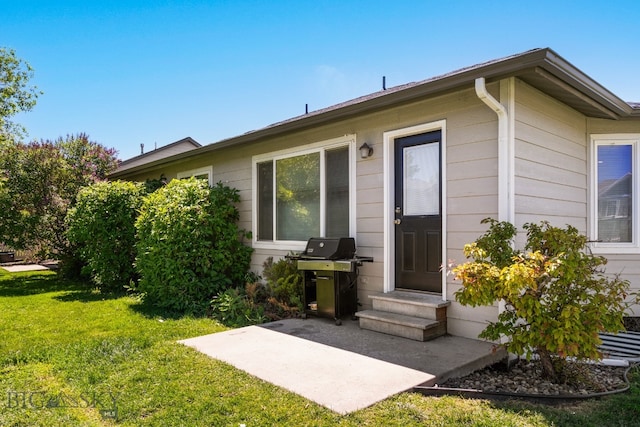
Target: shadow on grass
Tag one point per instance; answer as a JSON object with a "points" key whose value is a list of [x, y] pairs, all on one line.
{"points": [[88, 295], [32, 283], [151, 311]]}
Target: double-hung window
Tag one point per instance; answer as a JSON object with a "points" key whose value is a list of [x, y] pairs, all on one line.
{"points": [[614, 193], [302, 194]]}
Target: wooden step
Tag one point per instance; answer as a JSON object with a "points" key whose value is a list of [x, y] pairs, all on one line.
{"points": [[412, 304], [415, 328]]}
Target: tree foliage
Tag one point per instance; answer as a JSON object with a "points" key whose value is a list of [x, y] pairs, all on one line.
{"points": [[189, 246], [39, 181], [557, 296], [102, 228], [15, 93]]}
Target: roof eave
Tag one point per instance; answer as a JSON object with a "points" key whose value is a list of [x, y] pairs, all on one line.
{"points": [[580, 81], [553, 66]]}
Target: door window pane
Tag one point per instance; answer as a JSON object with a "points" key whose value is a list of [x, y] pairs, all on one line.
{"points": [[615, 193], [337, 188], [298, 197], [422, 180]]}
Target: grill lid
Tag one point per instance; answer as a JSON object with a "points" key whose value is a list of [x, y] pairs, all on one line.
{"points": [[330, 248]]}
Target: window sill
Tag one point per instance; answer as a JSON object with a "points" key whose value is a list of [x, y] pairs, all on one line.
{"points": [[280, 246], [614, 249]]}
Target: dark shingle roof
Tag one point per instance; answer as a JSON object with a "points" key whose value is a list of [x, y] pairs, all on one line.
{"points": [[541, 68], [403, 87]]}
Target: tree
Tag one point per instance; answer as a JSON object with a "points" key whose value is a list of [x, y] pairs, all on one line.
{"points": [[39, 181], [15, 93], [557, 295]]}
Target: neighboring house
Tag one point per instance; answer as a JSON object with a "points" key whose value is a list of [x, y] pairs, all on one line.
{"points": [[523, 139], [181, 146]]}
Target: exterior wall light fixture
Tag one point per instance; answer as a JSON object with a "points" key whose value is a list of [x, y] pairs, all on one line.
{"points": [[365, 150]]}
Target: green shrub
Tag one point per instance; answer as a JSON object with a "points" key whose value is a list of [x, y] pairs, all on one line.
{"points": [[188, 247], [557, 296], [234, 308], [284, 281], [101, 231]]}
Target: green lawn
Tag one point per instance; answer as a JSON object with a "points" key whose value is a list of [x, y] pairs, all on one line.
{"points": [[70, 357]]}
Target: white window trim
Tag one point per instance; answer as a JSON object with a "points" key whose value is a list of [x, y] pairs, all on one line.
{"points": [[614, 139], [346, 140], [208, 170]]}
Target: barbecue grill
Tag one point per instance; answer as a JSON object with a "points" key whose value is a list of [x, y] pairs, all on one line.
{"points": [[330, 269]]}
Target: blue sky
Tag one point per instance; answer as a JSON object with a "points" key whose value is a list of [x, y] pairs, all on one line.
{"points": [[153, 72]]}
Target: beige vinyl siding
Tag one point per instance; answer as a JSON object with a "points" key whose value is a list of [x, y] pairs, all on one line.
{"points": [[550, 160], [596, 126], [628, 267], [170, 171], [548, 170], [471, 132], [234, 170], [472, 184], [369, 222], [552, 168], [472, 195]]}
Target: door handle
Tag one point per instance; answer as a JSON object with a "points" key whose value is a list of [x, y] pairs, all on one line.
{"points": [[397, 221]]}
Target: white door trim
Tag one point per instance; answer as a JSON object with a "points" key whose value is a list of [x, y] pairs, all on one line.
{"points": [[389, 197]]}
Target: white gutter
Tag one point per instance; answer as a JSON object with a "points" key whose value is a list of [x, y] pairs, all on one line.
{"points": [[506, 192]]}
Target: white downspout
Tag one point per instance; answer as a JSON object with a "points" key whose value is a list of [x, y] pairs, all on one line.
{"points": [[506, 193], [506, 159]]}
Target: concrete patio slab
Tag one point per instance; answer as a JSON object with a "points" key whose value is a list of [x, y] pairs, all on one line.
{"points": [[337, 379], [444, 357], [343, 368], [16, 268]]}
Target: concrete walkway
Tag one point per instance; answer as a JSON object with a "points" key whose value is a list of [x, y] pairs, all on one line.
{"points": [[343, 368]]}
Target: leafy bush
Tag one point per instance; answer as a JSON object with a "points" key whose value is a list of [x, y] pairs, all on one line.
{"points": [[235, 308], [557, 296], [188, 247], [101, 229], [284, 281]]}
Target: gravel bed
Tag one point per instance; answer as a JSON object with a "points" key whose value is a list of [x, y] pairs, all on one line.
{"points": [[525, 378]]}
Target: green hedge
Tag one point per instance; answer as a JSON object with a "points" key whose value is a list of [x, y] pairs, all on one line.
{"points": [[189, 245], [101, 229]]}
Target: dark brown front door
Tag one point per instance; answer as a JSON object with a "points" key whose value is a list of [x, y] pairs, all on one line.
{"points": [[418, 218]]}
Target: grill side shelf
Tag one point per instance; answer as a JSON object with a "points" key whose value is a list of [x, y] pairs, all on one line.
{"points": [[319, 265]]}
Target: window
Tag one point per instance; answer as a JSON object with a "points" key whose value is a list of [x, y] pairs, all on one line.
{"points": [[614, 219], [200, 173], [303, 194]]}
